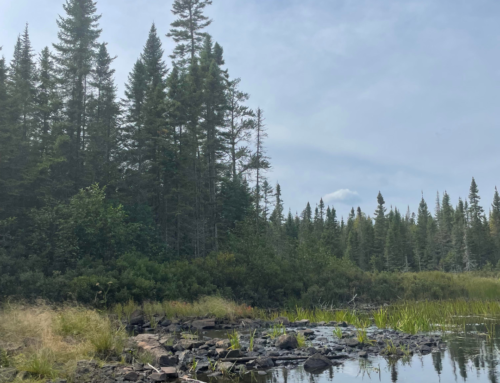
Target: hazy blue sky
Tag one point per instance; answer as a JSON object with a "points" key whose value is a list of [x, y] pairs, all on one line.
{"points": [[359, 95]]}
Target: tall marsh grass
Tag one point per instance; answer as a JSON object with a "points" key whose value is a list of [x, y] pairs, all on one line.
{"points": [[53, 340]]}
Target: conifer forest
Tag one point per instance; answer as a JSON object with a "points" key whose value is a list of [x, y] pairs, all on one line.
{"points": [[163, 192]]}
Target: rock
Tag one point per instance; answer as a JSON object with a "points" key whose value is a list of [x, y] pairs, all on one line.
{"points": [[225, 343], [311, 350], [158, 377], [233, 354], [190, 344], [171, 372], [168, 360], [425, 349], [351, 342], [174, 328], [302, 322], [283, 320], [204, 324], [363, 354], [317, 361], [165, 323], [131, 376], [322, 323], [221, 352], [287, 342], [264, 363], [7, 374], [151, 344], [262, 373], [137, 318]]}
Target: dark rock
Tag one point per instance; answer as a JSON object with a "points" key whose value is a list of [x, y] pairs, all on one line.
{"points": [[158, 377], [317, 361], [307, 332], [351, 342], [137, 318], [363, 354], [203, 324], [287, 342], [165, 323], [233, 354], [168, 360], [425, 349], [283, 320], [302, 322], [131, 376], [264, 363]]}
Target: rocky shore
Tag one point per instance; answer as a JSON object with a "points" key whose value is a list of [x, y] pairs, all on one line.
{"points": [[199, 348]]}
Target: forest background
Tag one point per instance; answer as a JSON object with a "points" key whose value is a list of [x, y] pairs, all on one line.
{"points": [[162, 194]]}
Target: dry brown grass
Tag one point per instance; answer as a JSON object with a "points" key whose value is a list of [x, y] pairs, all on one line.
{"points": [[47, 342]]}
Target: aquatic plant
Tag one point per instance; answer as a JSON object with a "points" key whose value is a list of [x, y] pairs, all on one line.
{"points": [[252, 339], [277, 330], [337, 331], [234, 338], [301, 340]]}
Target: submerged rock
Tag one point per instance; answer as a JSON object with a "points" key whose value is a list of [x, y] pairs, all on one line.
{"points": [[317, 361]]}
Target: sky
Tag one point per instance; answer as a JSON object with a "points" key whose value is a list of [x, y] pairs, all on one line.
{"points": [[360, 96]]}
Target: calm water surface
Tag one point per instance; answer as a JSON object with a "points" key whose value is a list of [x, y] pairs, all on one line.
{"points": [[470, 357]]}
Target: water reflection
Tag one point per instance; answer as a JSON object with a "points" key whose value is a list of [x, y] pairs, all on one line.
{"points": [[471, 357]]}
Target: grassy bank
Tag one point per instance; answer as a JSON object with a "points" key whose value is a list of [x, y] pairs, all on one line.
{"points": [[46, 342]]}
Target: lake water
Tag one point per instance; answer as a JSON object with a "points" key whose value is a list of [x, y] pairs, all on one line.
{"points": [[470, 357]]}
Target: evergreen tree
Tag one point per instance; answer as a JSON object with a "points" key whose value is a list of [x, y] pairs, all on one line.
{"points": [[76, 53], [421, 249], [187, 30], [380, 235]]}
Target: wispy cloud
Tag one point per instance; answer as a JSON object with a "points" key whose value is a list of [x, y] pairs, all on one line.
{"points": [[345, 196]]}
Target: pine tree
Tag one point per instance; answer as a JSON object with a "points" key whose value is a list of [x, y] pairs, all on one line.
{"points": [[421, 249], [380, 235], [187, 30], [76, 52], [103, 132], [495, 225], [240, 127]]}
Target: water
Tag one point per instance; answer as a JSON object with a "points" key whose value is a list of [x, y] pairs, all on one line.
{"points": [[470, 357]]}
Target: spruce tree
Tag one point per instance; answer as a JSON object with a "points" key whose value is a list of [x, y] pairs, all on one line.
{"points": [[421, 249], [380, 235], [76, 53], [187, 29]]}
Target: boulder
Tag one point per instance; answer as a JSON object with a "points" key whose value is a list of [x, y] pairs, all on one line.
{"points": [[233, 354], [171, 372], [225, 343], [351, 342], [168, 360], [302, 322], [151, 344], [137, 318], [317, 361], [283, 320], [264, 363], [287, 342], [203, 324]]}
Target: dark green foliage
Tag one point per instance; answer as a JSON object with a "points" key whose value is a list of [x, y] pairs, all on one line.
{"points": [[165, 196]]}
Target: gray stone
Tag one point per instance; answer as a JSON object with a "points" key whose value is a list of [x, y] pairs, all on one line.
{"points": [[171, 372], [287, 342], [204, 324], [264, 363], [363, 354], [317, 361], [302, 322]]}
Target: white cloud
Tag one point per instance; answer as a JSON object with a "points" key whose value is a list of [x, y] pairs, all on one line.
{"points": [[342, 195]]}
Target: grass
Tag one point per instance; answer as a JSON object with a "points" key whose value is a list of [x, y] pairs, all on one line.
{"points": [[234, 338], [277, 330], [301, 340], [362, 336], [337, 331], [53, 340], [252, 339], [380, 318]]}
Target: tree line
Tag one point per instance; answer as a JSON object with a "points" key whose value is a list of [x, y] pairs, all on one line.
{"points": [[163, 193]]}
